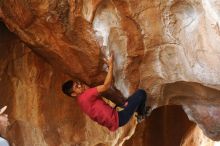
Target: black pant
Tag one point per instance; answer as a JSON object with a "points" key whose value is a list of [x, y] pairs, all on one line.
{"points": [[136, 103]]}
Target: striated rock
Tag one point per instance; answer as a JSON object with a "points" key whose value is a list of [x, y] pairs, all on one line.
{"points": [[49, 34], [195, 137], [173, 44], [39, 113]]}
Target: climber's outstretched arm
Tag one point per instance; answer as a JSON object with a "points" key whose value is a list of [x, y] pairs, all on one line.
{"points": [[108, 79]]}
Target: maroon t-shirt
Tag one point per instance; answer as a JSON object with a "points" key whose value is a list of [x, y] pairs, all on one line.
{"points": [[97, 109]]}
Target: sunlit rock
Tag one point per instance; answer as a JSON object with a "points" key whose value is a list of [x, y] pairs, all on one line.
{"points": [[169, 48], [195, 137]]}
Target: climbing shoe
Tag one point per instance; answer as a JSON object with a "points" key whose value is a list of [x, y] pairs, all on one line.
{"points": [[145, 113]]}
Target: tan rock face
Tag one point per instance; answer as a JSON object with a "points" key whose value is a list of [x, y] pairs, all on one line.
{"points": [[39, 113], [176, 43], [195, 137]]}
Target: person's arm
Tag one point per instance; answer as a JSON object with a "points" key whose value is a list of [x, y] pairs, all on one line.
{"points": [[108, 79]]}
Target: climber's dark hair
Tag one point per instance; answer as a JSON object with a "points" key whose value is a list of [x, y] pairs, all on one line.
{"points": [[67, 87]]}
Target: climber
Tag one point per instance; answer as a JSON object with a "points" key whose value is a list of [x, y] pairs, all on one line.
{"points": [[98, 110]]}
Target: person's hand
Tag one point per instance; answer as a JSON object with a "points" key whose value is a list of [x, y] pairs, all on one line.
{"points": [[2, 110], [3, 120], [109, 62]]}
